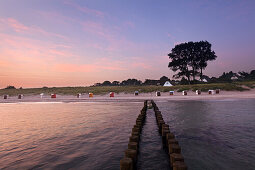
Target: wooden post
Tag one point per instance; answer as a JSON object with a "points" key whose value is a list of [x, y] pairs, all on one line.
{"points": [[175, 157], [178, 165], [130, 153], [133, 145], [126, 164], [134, 139], [170, 136], [174, 148], [164, 132], [172, 141], [135, 133]]}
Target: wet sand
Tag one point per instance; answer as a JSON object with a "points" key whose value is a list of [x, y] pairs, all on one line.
{"points": [[130, 97]]}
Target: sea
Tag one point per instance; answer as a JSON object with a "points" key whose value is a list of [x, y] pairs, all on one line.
{"points": [[213, 134]]}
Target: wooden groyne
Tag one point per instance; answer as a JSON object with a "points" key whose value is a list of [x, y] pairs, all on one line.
{"points": [[130, 156], [168, 140]]}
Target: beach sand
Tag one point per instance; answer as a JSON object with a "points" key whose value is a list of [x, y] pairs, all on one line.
{"points": [[131, 97]]}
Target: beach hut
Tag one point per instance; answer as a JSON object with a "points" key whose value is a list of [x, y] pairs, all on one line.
{"points": [[217, 91], [167, 84], [53, 96], [234, 78], [171, 93], [211, 92], [158, 93], [6, 96], [184, 93], [204, 80], [111, 94], [41, 95], [198, 92], [136, 93], [91, 94], [20, 96], [78, 95]]}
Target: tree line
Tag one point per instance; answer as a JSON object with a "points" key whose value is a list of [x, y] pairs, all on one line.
{"points": [[231, 76], [226, 77], [134, 82]]}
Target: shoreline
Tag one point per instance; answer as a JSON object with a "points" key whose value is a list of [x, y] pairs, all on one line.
{"points": [[122, 97]]}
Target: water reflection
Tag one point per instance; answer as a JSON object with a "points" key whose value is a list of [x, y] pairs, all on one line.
{"points": [[83, 135], [213, 134]]}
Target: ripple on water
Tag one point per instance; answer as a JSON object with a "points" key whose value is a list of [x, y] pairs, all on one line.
{"points": [[212, 134]]}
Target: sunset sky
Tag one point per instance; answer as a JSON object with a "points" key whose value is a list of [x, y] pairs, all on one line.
{"points": [[81, 42]]}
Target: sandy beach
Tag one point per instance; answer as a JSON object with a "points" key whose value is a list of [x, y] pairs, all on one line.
{"points": [[127, 97]]}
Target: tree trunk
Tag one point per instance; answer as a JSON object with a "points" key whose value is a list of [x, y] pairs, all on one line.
{"points": [[194, 76], [201, 73], [188, 78], [188, 74]]}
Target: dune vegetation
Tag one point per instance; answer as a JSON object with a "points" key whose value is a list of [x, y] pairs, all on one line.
{"points": [[100, 90]]}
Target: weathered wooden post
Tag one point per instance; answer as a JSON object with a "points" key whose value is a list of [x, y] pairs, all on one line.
{"points": [[133, 145], [126, 164], [134, 138], [178, 165], [175, 157], [174, 148], [172, 141], [130, 153]]}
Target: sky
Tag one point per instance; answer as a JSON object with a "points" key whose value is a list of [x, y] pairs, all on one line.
{"points": [[82, 42]]}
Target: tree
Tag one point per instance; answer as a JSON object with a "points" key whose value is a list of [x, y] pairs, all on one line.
{"points": [[246, 76], [203, 53], [131, 82], [151, 82], [106, 83], [190, 57], [252, 74], [163, 79], [227, 77], [180, 56], [184, 81], [243, 75], [10, 87], [115, 83]]}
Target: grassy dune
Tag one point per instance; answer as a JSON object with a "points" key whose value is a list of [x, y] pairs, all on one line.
{"points": [[237, 86]]}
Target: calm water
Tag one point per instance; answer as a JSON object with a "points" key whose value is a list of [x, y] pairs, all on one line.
{"points": [[213, 134]]}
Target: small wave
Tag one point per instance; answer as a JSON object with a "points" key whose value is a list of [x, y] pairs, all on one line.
{"points": [[38, 102]]}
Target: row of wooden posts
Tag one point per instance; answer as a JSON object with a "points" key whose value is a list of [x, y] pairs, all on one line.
{"points": [[130, 157], [168, 138]]}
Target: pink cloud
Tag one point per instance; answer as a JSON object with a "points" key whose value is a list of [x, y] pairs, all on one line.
{"points": [[113, 34], [94, 67], [111, 64], [21, 50], [142, 65], [75, 68], [85, 10], [21, 28], [17, 26]]}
